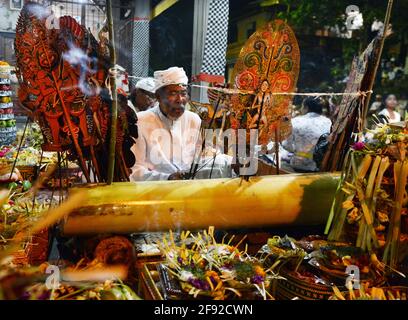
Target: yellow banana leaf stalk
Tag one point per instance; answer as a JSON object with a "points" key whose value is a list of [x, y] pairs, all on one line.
{"points": [[357, 176], [196, 204], [391, 249]]}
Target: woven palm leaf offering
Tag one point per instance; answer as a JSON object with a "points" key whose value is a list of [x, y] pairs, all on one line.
{"points": [[108, 290], [282, 251], [365, 293], [310, 266], [370, 206], [17, 210], [93, 282], [203, 268], [332, 261], [6, 166]]}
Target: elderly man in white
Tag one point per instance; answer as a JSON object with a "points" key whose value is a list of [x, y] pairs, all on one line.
{"points": [[168, 133]]}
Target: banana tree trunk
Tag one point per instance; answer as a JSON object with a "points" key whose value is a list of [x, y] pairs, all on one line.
{"points": [[292, 199]]}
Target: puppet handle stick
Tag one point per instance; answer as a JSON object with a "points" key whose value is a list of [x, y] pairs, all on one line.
{"points": [[377, 63], [114, 119]]}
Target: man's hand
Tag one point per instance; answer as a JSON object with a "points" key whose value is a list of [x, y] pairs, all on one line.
{"points": [[389, 31], [236, 168], [179, 176], [176, 176]]}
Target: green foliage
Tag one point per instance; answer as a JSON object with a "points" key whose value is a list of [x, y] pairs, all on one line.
{"points": [[314, 15], [309, 16]]}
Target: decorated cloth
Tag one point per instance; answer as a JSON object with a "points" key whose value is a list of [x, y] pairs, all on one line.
{"points": [[164, 146], [122, 80], [173, 75], [306, 131]]}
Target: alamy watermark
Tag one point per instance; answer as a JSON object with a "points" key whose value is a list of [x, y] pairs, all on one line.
{"points": [[354, 20], [353, 280], [53, 281]]}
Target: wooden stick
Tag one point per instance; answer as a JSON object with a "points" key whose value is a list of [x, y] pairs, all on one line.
{"points": [[194, 166], [377, 63], [277, 149], [114, 116], [217, 140]]}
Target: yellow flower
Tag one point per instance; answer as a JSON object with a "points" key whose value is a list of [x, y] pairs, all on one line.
{"points": [[347, 260], [353, 216], [382, 217], [348, 204], [365, 269], [259, 271], [211, 273], [380, 228]]}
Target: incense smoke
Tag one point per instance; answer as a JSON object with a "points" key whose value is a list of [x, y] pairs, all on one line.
{"points": [[39, 11], [78, 58]]}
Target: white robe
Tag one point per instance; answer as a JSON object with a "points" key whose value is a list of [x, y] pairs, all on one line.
{"points": [[164, 146]]}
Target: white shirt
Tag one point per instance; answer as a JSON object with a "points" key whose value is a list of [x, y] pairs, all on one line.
{"points": [[164, 146], [386, 113], [306, 131]]}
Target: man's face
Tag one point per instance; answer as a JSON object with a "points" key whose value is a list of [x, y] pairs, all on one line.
{"points": [[173, 99], [144, 99]]}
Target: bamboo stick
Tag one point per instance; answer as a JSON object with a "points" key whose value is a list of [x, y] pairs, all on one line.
{"points": [[193, 204], [377, 63], [114, 117]]}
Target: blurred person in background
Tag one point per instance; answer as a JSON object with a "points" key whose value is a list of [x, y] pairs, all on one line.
{"points": [[389, 112], [376, 105], [306, 131], [143, 95]]}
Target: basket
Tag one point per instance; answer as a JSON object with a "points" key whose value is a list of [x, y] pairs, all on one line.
{"points": [[5, 168], [296, 287], [35, 251], [148, 283], [28, 172], [174, 289], [69, 177]]}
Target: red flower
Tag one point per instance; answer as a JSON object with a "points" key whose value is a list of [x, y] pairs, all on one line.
{"points": [[358, 146]]}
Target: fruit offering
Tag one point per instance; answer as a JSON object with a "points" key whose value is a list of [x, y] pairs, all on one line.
{"points": [[7, 122]]}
